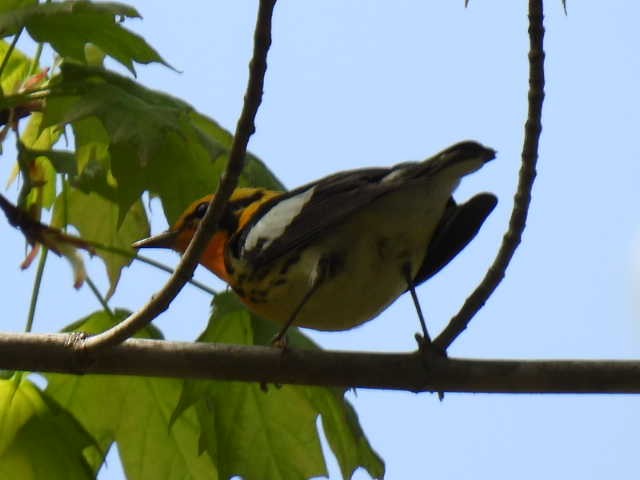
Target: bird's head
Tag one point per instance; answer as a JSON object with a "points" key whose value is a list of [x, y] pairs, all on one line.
{"points": [[243, 204]]}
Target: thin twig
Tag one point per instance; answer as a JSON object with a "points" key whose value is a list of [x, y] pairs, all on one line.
{"points": [[511, 239], [244, 129]]}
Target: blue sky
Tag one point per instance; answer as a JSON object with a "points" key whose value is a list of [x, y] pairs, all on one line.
{"points": [[359, 83]]}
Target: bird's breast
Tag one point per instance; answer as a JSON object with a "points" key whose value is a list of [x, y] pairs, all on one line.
{"points": [[359, 264]]}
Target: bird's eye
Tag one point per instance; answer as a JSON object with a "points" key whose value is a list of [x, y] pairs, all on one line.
{"points": [[201, 209]]}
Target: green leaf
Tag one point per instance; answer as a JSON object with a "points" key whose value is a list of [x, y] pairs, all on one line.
{"points": [[69, 26], [92, 155], [8, 5], [344, 433], [63, 162], [36, 137], [93, 55], [43, 163], [42, 177], [271, 434], [97, 221], [249, 432], [147, 136], [16, 69], [119, 102], [38, 438], [131, 139], [37, 160], [255, 173], [134, 412]]}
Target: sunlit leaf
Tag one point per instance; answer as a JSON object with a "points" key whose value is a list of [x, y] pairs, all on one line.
{"points": [[41, 165], [271, 434], [68, 26], [42, 181], [14, 74], [38, 438], [134, 412], [16, 69], [97, 221], [344, 433], [143, 140]]}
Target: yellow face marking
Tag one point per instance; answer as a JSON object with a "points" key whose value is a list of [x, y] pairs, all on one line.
{"points": [[249, 211], [214, 255]]}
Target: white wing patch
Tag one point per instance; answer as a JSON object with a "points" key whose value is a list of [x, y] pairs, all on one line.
{"points": [[398, 172], [275, 221]]}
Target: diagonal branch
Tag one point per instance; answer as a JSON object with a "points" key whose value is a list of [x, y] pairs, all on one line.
{"points": [[244, 129], [396, 371], [511, 239]]}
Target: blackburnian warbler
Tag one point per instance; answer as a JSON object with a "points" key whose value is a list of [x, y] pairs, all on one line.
{"points": [[334, 253]]}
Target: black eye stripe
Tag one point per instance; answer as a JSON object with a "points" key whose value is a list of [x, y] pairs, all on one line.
{"points": [[201, 209], [229, 220], [235, 205]]}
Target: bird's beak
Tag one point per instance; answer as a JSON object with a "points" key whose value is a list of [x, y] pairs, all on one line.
{"points": [[162, 240]]}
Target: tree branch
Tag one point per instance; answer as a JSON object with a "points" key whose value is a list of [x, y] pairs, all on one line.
{"points": [[397, 371], [244, 129], [527, 175]]}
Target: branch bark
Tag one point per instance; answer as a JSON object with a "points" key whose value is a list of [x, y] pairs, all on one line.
{"points": [[396, 371]]}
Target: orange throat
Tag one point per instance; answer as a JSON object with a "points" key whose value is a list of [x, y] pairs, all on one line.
{"points": [[213, 256]]}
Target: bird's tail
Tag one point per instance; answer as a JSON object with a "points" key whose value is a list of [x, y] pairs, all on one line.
{"points": [[458, 160]]}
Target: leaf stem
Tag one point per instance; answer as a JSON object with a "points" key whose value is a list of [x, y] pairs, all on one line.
{"points": [[149, 261], [99, 296], [36, 289], [35, 61], [165, 268]]}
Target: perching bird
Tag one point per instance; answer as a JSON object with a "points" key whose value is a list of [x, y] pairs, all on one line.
{"points": [[334, 253]]}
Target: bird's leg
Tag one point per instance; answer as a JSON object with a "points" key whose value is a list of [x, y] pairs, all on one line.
{"points": [[426, 347], [424, 340], [280, 340]]}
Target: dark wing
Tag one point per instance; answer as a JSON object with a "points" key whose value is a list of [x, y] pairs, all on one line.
{"points": [[459, 224], [318, 206], [330, 200]]}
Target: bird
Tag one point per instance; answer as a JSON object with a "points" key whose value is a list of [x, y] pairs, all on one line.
{"points": [[334, 253]]}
